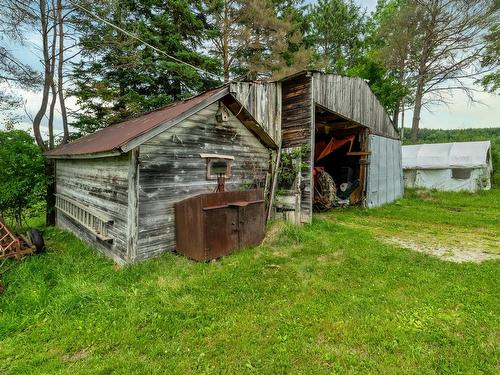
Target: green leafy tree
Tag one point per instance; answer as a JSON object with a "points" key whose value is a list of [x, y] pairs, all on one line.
{"points": [[22, 175], [119, 76], [337, 30], [491, 59], [384, 83], [387, 80], [437, 45]]}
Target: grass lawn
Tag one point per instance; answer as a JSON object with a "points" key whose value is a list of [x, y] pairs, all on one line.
{"points": [[331, 297]]}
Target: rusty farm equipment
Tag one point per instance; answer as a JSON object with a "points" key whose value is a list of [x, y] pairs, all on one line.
{"points": [[18, 246]]}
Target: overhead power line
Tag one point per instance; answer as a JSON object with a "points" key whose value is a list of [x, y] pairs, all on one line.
{"points": [[132, 35]]}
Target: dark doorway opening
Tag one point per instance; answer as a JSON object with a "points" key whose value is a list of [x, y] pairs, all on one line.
{"points": [[340, 158]]}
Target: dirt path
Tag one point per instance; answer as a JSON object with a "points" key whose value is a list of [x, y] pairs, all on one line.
{"points": [[451, 254]]}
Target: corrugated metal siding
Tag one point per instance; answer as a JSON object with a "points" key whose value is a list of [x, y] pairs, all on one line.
{"points": [[385, 175]]}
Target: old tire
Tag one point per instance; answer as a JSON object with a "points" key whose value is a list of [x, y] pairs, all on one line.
{"points": [[37, 240]]}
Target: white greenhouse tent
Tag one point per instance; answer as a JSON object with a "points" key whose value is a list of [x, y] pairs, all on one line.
{"points": [[448, 166]]}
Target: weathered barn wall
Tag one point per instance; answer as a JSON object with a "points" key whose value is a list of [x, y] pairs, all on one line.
{"points": [[263, 101], [171, 169], [101, 184], [297, 131], [385, 173], [352, 98]]}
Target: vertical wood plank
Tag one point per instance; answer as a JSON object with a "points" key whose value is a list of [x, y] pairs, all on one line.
{"points": [[133, 205]]}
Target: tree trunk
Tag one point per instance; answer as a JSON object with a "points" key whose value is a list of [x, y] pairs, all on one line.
{"points": [[50, 198], [416, 112], [51, 116], [48, 77], [395, 116], [225, 41], [402, 119], [60, 74]]}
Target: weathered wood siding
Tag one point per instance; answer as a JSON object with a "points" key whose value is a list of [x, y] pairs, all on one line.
{"points": [[298, 131], [263, 101], [171, 169], [352, 98], [100, 184]]}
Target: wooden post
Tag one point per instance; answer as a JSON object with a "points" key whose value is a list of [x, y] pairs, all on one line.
{"points": [[274, 183], [133, 205]]}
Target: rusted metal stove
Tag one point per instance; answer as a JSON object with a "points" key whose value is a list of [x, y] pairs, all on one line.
{"points": [[209, 226]]}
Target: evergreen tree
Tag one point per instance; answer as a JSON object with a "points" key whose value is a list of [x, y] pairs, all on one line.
{"points": [[119, 76], [337, 29], [256, 38]]}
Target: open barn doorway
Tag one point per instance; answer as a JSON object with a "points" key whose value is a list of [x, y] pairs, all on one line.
{"points": [[340, 159]]}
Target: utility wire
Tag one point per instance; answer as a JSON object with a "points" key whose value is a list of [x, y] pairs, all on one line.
{"points": [[132, 35]]}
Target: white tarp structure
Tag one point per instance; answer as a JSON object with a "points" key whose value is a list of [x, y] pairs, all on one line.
{"points": [[448, 166]]}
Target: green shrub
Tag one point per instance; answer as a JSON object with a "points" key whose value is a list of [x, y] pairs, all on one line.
{"points": [[22, 175]]}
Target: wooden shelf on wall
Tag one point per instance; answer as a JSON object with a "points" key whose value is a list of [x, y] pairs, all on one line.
{"points": [[358, 153]]}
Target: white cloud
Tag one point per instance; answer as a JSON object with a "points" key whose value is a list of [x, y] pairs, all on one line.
{"points": [[32, 101], [461, 113]]}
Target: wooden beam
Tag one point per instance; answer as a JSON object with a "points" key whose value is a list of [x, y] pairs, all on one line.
{"points": [[133, 205], [98, 155], [274, 184]]}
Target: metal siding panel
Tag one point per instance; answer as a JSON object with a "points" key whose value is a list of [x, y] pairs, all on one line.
{"points": [[372, 173], [387, 163], [380, 171], [390, 172], [385, 178]]}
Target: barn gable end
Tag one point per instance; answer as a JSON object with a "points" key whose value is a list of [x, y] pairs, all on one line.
{"points": [[172, 168], [352, 98]]}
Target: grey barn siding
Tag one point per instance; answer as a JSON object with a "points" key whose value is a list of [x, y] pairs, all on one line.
{"points": [[263, 101], [100, 184], [171, 169], [352, 98]]}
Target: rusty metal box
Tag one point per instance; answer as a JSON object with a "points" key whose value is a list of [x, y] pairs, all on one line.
{"points": [[209, 226]]}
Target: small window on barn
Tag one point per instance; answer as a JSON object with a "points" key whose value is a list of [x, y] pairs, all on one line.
{"points": [[218, 165], [461, 173]]}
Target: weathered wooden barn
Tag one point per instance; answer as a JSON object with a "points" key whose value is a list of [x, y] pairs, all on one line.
{"points": [[117, 187], [341, 127]]}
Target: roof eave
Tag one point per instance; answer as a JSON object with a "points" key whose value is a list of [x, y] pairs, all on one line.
{"points": [[146, 136], [96, 155]]}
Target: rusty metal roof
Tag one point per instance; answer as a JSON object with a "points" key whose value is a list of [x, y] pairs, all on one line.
{"points": [[115, 137]]}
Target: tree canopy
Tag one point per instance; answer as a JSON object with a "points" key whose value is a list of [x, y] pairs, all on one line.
{"points": [[137, 55]]}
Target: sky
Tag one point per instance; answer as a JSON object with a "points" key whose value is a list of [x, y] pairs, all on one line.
{"points": [[458, 114]]}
